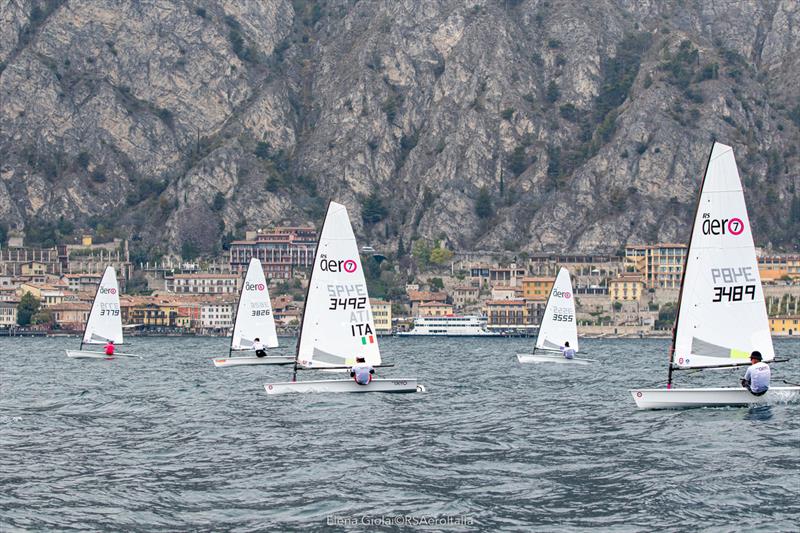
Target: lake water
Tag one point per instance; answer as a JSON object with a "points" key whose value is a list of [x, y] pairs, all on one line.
{"points": [[171, 443]]}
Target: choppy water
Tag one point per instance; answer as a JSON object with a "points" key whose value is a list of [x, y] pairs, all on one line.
{"points": [[171, 443]]}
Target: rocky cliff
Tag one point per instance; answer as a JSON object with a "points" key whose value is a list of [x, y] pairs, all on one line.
{"points": [[518, 125]]}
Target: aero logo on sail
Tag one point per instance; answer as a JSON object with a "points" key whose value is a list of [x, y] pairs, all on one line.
{"points": [[254, 286], [722, 226], [562, 294], [342, 265], [112, 290]]}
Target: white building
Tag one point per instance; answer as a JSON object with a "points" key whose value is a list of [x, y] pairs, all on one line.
{"points": [[8, 314], [203, 283], [217, 315]]}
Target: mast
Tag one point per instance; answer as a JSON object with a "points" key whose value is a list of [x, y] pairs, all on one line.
{"points": [[238, 305], [685, 264], [547, 303], [308, 290]]}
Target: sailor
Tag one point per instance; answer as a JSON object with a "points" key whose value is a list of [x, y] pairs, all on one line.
{"points": [[569, 353], [756, 379], [110, 348], [361, 372], [259, 347]]}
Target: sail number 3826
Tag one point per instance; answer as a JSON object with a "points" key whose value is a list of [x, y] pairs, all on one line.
{"points": [[735, 293]]}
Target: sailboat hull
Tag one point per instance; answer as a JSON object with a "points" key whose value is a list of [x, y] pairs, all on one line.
{"points": [[710, 397], [557, 359], [244, 361], [84, 354], [345, 385]]}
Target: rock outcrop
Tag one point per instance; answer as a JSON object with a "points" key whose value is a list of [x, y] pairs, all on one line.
{"points": [[586, 125]]}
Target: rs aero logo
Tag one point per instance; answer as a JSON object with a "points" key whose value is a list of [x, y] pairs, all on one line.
{"points": [[340, 265], [722, 226], [562, 294], [112, 290], [254, 286]]}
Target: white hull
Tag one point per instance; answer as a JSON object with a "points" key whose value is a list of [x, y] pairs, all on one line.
{"points": [[413, 333], [344, 385], [268, 360], [86, 354], [710, 397], [557, 359]]}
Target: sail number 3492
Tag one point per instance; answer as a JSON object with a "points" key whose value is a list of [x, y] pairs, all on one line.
{"points": [[348, 303]]}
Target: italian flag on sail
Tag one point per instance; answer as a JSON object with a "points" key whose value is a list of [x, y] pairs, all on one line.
{"points": [[369, 339]]}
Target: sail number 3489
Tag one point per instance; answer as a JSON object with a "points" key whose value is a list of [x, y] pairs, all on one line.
{"points": [[735, 293]]}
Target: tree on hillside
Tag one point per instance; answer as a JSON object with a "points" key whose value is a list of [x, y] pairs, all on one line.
{"points": [[27, 307], [483, 204], [372, 209], [440, 256]]}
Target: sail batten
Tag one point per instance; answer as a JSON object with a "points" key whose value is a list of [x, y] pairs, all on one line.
{"points": [[105, 320], [337, 304], [722, 315], [558, 322], [254, 315]]}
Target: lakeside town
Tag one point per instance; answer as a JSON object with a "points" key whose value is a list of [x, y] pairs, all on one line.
{"points": [[631, 293]]}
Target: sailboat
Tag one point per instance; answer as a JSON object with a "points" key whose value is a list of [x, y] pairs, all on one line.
{"points": [[254, 320], [558, 326], [337, 324], [105, 321], [722, 316]]}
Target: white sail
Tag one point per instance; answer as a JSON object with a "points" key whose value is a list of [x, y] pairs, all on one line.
{"points": [[337, 324], [558, 322], [722, 315], [105, 320], [254, 317]]}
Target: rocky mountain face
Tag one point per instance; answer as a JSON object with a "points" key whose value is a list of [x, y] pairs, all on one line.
{"points": [[521, 125]]}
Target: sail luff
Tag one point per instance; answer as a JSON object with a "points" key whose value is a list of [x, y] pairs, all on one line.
{"points": [[683, 273]]}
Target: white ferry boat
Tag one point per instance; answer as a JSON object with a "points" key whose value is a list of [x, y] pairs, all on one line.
{"points": [[450, 326]]}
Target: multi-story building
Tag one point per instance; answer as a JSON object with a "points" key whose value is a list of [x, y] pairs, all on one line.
{"points": [[48, 295], [280, 251], [418, 298], [82, 282], [217, 315], [203, 283], [785, 325], [626, 287], [465, 294], [153, 312], [434, 309], [8, 314], [506, 276], [774, 267], [506, 292], [537, 289], [71, 316], [507, 313], [382, 315], [660, 264]]}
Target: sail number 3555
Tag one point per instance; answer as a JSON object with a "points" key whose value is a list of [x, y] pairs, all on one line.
{"points": [[735, 293]]}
